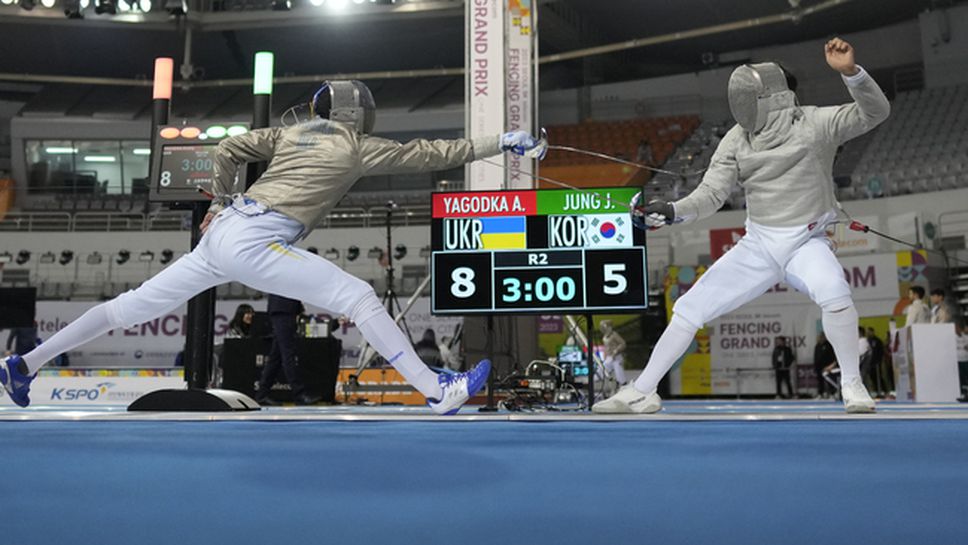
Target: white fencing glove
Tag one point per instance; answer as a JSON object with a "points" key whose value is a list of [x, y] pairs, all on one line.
{"points": [[522, 143]]}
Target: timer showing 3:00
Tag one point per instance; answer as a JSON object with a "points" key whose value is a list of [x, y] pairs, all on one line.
{"points": [[540, 280]]}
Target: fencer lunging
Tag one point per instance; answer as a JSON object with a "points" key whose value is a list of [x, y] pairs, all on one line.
{"points": [[782, 155], [248, 236]]}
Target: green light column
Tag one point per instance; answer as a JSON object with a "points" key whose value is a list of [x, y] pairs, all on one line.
{"points": [[261, 105]]}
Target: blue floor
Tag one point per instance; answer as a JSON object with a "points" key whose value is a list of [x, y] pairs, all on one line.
{"points": [[502, 483]]}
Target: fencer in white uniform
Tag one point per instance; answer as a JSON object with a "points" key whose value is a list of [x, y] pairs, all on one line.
{"points": [[614, 361], [248, 236], [782, 155]]}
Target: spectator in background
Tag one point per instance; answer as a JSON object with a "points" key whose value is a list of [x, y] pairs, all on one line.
{"points": [[782, 361], [887, 369], [876, 359], [823, 356], [448, 354], [241, 323], [21, 340], [917, 312], [282, 314], [864, 348], [962, 346], [644, 153], [427, 349], [941, 311]]}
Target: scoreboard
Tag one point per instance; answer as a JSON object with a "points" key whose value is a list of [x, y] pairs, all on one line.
{"points": [[183, 160], [538, 251]]}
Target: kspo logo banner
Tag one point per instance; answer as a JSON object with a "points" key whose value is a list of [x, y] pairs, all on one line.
{"points": [[51, 387]]}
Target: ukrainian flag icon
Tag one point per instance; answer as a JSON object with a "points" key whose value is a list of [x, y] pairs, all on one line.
{"points": [[503, 233]]}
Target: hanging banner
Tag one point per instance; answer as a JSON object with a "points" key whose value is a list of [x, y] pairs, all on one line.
{"points": [[484, 87], [520, 86]]}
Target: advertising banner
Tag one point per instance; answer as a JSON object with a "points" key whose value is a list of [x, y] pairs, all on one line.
{"points": [[157, 342], [80, 387]]}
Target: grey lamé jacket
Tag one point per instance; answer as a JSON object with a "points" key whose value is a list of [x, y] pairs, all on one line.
{"points": [[313, 164], [786, 169]]}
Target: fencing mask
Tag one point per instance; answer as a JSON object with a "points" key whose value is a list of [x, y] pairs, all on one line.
{"points": [[346, 101], [755, 90]]}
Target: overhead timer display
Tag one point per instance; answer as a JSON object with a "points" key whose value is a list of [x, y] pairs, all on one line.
{"points": [[561, 250]]}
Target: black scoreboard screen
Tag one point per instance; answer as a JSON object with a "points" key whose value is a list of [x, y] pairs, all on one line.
{"points": [[183, 161], [187, 166], [558, 250]]}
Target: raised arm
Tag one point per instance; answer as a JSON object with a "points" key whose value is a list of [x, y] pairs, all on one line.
{"points": [[870, 107]]}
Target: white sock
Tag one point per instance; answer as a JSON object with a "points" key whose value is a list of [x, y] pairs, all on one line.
{"points": [[388, 339], [841, 330], [91, 324], [674, 341]]}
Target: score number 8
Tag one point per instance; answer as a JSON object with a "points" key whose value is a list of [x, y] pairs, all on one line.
{"points": [[463, 282]]}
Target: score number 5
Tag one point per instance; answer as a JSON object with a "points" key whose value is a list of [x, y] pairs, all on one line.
{"points": [[463, 282], [615, 283]]}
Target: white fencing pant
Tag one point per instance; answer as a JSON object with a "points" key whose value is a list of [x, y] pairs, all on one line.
{"points": [[615, 364], [244, 243], [765, 256]]}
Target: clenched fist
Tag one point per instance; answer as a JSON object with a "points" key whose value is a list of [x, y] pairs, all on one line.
{"points": [[840, 57]]}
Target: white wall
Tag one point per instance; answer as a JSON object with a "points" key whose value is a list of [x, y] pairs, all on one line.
{"points": [[944, 43]]}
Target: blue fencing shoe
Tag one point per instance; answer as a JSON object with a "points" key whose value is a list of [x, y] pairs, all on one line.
{"points": [[458, 388], [14, 382]]}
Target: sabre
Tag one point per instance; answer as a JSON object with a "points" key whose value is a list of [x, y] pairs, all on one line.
{"points": [[557, 183], [855, 225], [619, 160]]}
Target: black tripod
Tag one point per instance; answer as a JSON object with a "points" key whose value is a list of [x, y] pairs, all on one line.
{"points": [[389, 296]]}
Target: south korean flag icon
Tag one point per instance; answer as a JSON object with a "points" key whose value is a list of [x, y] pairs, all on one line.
{"points": [[608, 230]]}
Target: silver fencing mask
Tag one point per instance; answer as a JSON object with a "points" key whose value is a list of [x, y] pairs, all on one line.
{"points": [[348, 102], [755, 90]]}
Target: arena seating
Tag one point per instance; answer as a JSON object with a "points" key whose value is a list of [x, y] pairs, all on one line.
{"points": [[621, 139], [922, 147]]}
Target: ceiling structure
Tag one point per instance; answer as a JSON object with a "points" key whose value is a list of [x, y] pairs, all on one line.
{"points": [[58, 66]]}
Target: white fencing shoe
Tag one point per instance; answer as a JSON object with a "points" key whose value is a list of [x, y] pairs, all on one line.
{"points": [[856, 398], [628, 400]]}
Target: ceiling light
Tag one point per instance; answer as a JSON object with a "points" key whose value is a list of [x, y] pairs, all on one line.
{"points": [[141, 151], [144, 5], [47, 258], [166, 256], [23, 256], [375, 253], [352, 253], [99, 158], [146, 256], [94, 259], [123, 257], [425, 251], [400, 251], [317, 3], [66, 257], [47, 3], [332, 254], [6, 257], [281, 5], [55, 150], [27, 4]]}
